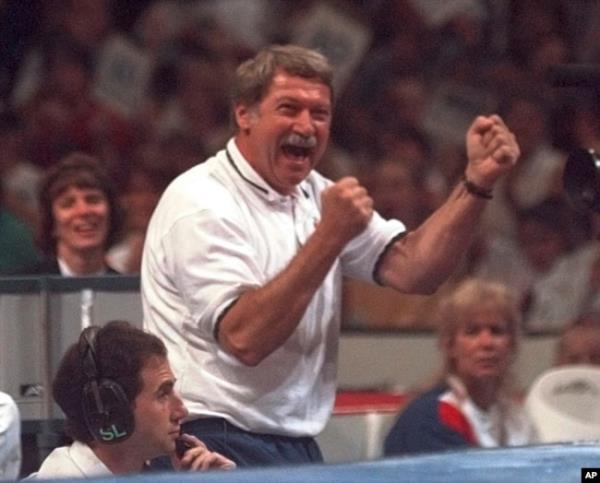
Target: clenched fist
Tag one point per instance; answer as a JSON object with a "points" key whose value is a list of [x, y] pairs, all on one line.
{"points": [[346, 209], [492, 150]]}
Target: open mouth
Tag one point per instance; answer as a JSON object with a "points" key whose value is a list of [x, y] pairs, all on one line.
{"points": [[296, 152], [87, 229], [298, 147]]}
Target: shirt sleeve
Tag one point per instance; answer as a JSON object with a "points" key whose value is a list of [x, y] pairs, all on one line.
{"points": [[10, 438], [361, 255], [213, 262]]}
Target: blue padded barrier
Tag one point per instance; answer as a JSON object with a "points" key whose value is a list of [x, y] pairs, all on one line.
{"points": [[533, 464]]}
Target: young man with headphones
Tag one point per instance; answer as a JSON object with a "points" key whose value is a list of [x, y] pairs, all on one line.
{"points": [[115, 387]]}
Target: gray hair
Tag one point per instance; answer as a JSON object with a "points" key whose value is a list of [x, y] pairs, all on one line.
{"points": [[253, 77]]}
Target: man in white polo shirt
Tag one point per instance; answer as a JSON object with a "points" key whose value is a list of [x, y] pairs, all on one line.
{"points": [[116, 388], [10, 438], [245, 254]]}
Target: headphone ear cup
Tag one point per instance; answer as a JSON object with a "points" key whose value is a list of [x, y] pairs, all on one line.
{"points": [[107, 411]]}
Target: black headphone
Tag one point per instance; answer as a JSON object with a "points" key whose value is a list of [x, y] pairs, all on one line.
{"points": [[106, 410]]}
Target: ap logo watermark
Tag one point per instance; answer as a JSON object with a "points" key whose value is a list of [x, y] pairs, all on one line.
{"points": [[590, 474]]}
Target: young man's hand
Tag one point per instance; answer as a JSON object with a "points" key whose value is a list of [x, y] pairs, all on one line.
{"points": [[199, 457]]}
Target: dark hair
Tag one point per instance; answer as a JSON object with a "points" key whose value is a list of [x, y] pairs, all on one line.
{"points": [[121, 351], [584, 331], [82, 171], [60, 48], [518, 96], [253, 77], [10, 122]]}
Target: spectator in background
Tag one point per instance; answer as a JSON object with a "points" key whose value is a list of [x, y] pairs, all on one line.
{"points": [[579, 342], [198, 109], [569, 286], [115, 387], [413, 146], [17, 247], [138, 198], [63, 115], [10, 438], [80, 218], [398, 192], [527, 32], [178, 152], [19, 178], [472, 404], [534, 264], [538, 177], [87, 23], [404, 103]]}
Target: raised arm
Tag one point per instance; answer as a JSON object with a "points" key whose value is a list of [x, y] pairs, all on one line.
{"points": [[425, 257], [261, 320]]}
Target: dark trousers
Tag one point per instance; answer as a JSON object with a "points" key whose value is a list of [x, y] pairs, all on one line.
{"points": [[247, 448]]}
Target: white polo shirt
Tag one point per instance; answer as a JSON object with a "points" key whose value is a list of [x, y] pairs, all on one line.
{"points": [[218, 231], [504, 423], [74, 461], [10, 438]]}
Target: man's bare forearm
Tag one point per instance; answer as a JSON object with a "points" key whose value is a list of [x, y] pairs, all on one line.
{"points": [[263, 319], [425, 258]]}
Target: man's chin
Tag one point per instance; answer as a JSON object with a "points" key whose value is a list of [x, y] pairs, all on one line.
{"points": [[168, 448], [489, 376], [89, 245], [298, 175]]}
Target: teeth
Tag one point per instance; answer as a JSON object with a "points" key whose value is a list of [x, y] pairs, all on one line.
{"points": [[85, 228]]}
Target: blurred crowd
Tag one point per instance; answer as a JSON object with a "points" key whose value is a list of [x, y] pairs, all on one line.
{"points": [[142, 86]]}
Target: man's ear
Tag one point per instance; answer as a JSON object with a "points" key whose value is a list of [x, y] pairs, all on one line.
{"points": [[243, 116]]}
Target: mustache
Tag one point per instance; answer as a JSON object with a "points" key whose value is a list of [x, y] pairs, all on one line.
{"points": [[300, 141]]}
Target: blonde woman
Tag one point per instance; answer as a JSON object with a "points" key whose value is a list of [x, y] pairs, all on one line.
{"points": [[471, 404]]}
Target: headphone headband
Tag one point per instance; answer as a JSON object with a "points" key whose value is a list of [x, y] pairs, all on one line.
{"points": [[106, 409], [87, 351]]}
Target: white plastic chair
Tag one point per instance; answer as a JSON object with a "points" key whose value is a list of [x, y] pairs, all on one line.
{"points": [[564, 404]]}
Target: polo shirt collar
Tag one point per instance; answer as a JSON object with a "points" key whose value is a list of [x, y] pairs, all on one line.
{"points": [[248, 175], [86, 460]]}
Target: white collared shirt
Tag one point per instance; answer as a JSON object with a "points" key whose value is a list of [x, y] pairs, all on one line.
{"points": [[10, 438], [218, 231], [66, 271], [504, 423], [74, 461]]}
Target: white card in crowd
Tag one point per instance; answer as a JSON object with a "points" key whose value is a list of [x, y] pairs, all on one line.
{"points": [[343, 39], [122, 75]]}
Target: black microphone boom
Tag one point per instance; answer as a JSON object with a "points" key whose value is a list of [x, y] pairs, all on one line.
{"points": [[581, 175], [581, 179]]}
